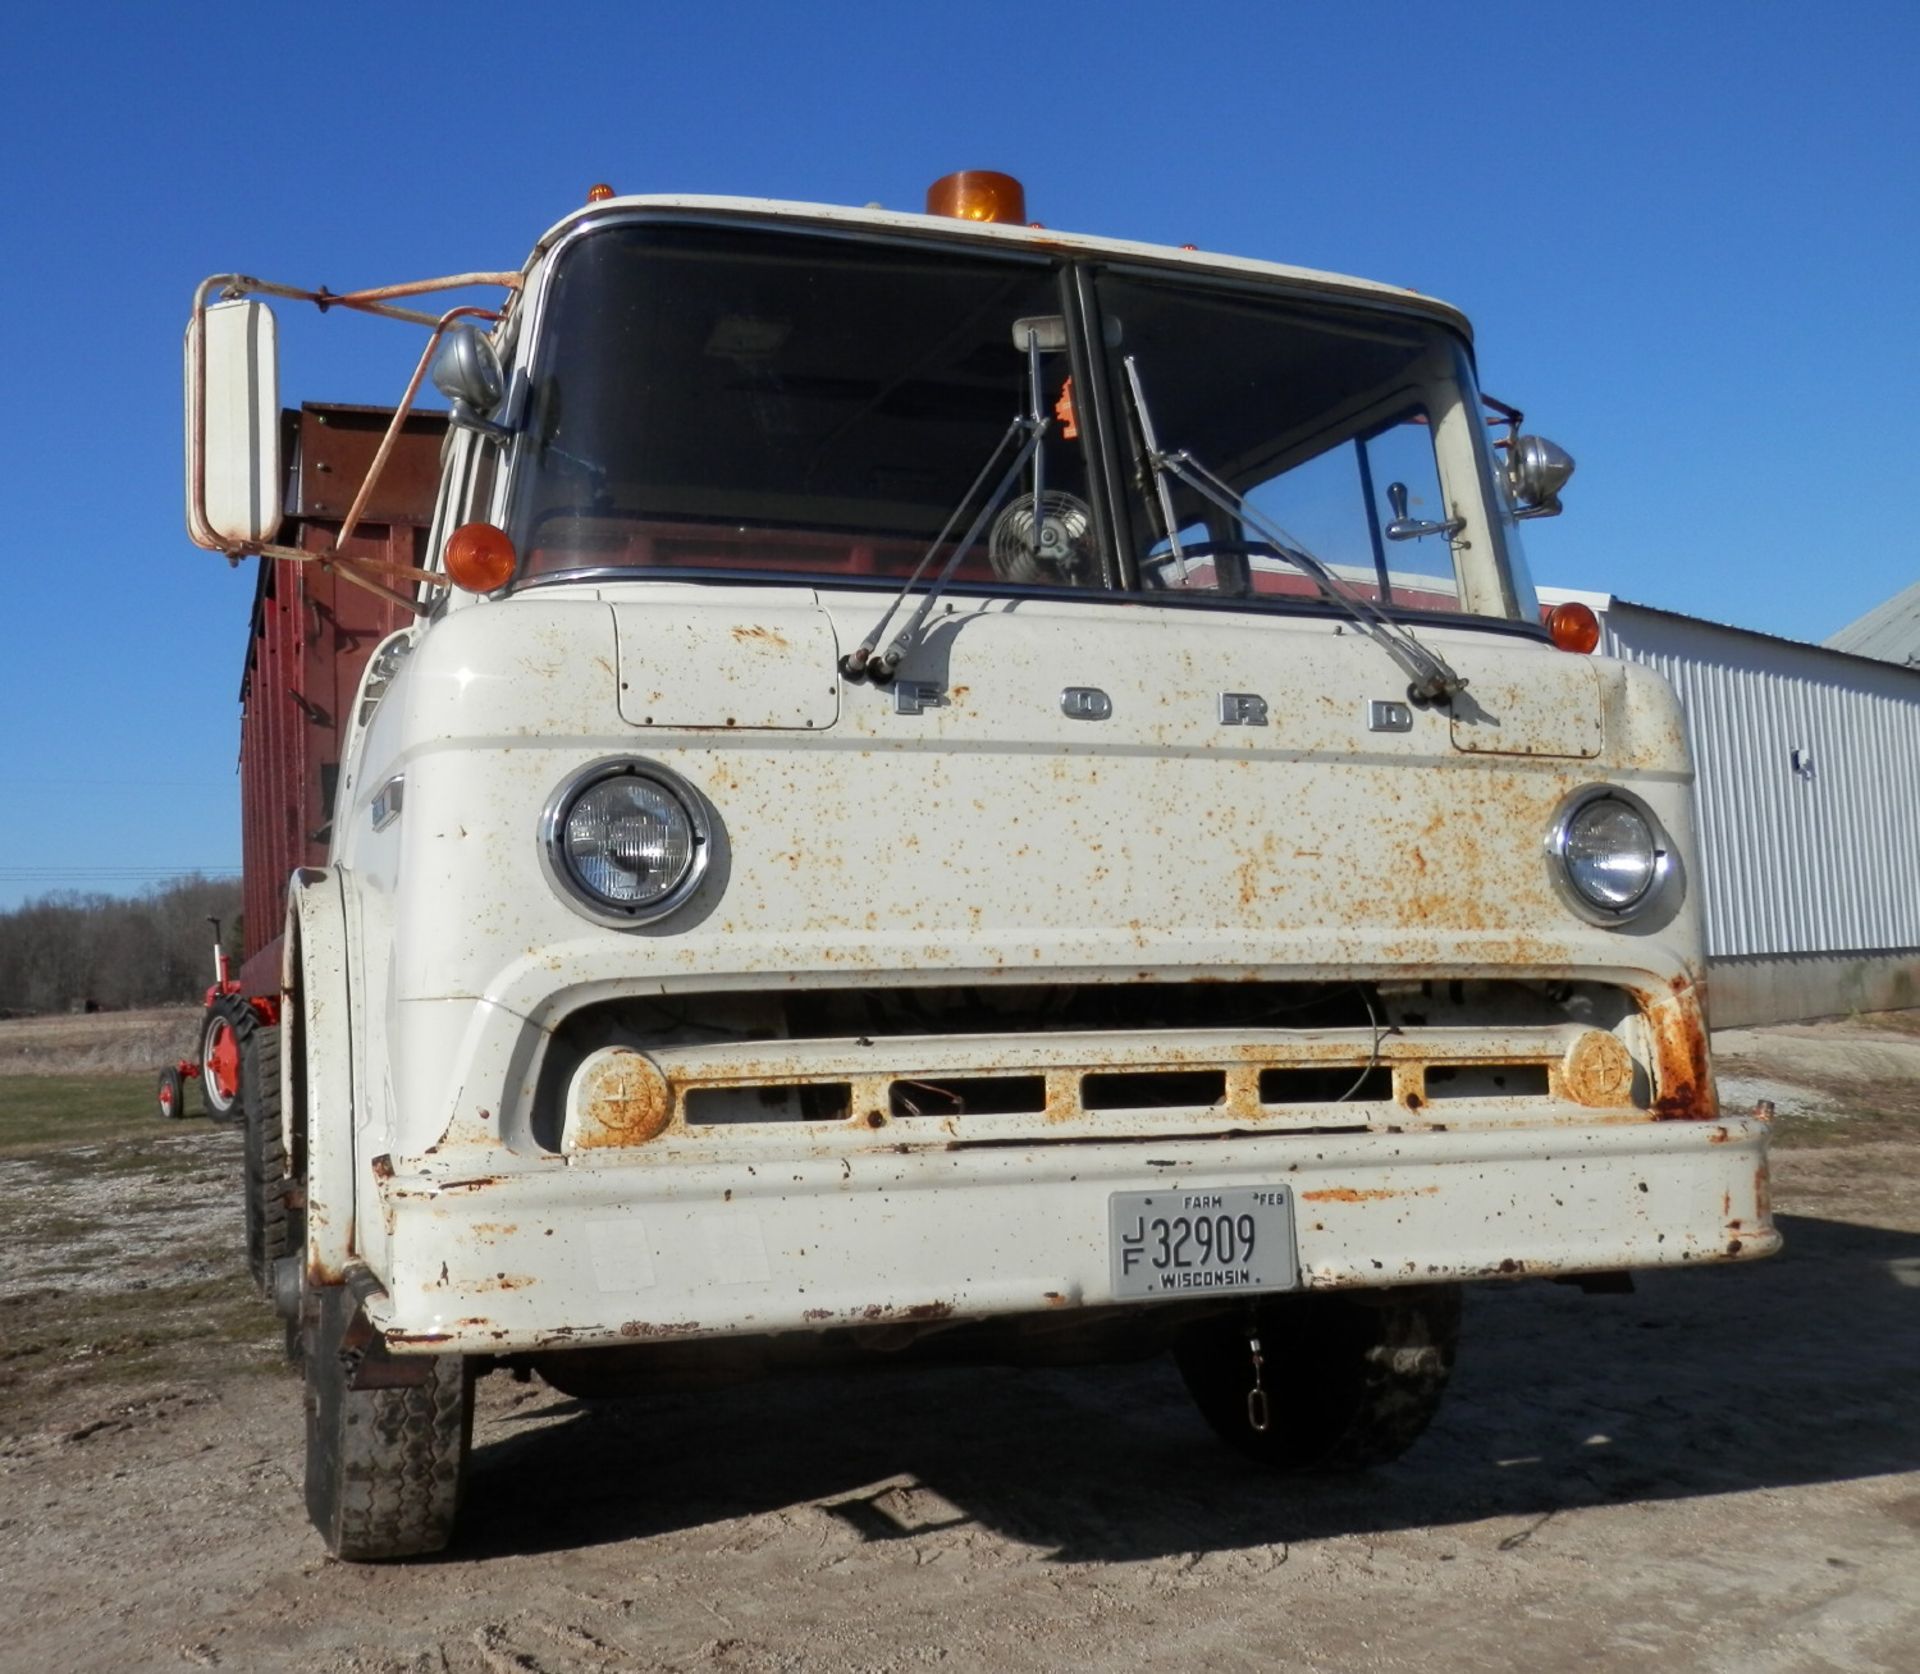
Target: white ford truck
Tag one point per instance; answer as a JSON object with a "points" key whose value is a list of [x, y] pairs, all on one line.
{"points": [[946, 789]]}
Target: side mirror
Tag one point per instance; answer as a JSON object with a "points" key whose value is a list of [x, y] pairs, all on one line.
{"points": [[467, 372], [233, 427], [1536, 472]]}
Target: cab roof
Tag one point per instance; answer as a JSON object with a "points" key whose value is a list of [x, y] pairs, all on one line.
{"points": [[949, 230]]}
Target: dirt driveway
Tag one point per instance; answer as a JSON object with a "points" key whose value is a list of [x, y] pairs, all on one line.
{"points": [[1719, 1472]]}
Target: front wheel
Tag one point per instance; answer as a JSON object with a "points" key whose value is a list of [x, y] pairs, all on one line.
{"points": [[172, 1096], [1351, 1378], [387, 1436]]}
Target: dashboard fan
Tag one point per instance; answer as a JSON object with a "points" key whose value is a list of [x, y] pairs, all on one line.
{"points": [[1062, 553]]}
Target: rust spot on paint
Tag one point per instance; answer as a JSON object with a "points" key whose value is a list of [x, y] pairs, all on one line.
{"points": [[503, 1281], [1348, 1194], [647, 1328], [878, 1312], [759, 634], [1683, 1078]]}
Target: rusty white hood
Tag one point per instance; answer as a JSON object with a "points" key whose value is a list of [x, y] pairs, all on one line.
{"points": [[982, 814]]}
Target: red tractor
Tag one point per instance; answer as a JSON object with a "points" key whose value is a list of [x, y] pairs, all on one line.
{"points": [[231, 1016]]}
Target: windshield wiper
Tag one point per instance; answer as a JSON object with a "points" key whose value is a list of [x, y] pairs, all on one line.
{"points": [[1432, 679], [861, 663]]}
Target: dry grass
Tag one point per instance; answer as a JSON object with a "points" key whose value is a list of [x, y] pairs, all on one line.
{"points": [[103, 1043], [1894, 1022], [1863, 1113]]}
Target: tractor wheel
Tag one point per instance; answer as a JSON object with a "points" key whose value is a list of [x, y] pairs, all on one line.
{"points": [[172, 1095], [271, 1219], [1351, 1379], [221, 1071], [386, 1461]]}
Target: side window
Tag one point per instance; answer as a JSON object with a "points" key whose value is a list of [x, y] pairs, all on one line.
{"points": [[1321, 504], [1420, 573]]}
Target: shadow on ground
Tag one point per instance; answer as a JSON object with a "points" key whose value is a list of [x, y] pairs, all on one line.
{"points": [[1793, 1371]]}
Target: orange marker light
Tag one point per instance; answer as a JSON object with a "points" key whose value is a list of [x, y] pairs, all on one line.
{"points": [[1573, 627], [480, 558], [978, 195], [599, 193]]}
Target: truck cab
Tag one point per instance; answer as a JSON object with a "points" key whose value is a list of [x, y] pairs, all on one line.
{"points": [[950, 790]]}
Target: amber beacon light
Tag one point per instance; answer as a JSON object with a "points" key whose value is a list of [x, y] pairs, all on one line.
{"points": [[978, 195], [1573, 627], [480, 557]]}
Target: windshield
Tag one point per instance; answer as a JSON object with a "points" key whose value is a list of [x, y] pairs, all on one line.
{"points": [[1355, 434], [711, 399]]}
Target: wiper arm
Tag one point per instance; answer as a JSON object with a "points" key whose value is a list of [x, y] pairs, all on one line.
{"points": [[1432, 678], [861, 663]]}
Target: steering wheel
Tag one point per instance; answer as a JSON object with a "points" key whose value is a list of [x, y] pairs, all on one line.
{"points": [[1159, 563]]}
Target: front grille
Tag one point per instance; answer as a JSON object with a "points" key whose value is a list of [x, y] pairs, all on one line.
{"points": [[1024, 1063]]}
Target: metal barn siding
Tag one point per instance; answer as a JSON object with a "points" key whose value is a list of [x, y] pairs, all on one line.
{"points": [[1808, 788]]}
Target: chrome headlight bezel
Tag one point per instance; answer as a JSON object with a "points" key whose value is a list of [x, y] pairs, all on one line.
{"points": [[558, 866], [1662, 883]]}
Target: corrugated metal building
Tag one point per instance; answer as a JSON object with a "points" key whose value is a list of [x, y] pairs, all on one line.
{"points": [[1890, 632], [1808, 803]]}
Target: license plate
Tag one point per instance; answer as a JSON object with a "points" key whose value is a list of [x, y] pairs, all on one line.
{"points": [[1187, 1242]]}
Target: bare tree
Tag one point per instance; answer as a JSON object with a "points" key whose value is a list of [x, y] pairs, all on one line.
{"points": [[69, 949]]}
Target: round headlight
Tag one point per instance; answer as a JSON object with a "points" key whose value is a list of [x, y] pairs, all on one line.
{"points": [[1609, 852], [627, 839]]}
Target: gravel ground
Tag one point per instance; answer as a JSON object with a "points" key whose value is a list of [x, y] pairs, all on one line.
{"points": [[1718, 1472]]}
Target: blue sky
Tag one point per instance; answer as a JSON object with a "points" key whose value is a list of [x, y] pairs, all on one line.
{"points": [[1686, 235]]}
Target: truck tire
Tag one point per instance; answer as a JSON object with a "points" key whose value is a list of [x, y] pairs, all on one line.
{"points": [[222, 1072], [171, 1098], [1352, 1379], [385, 1465], [271, 1229]]}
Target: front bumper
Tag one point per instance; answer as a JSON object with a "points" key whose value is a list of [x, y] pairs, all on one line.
{"points": [[619, 1250]]}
